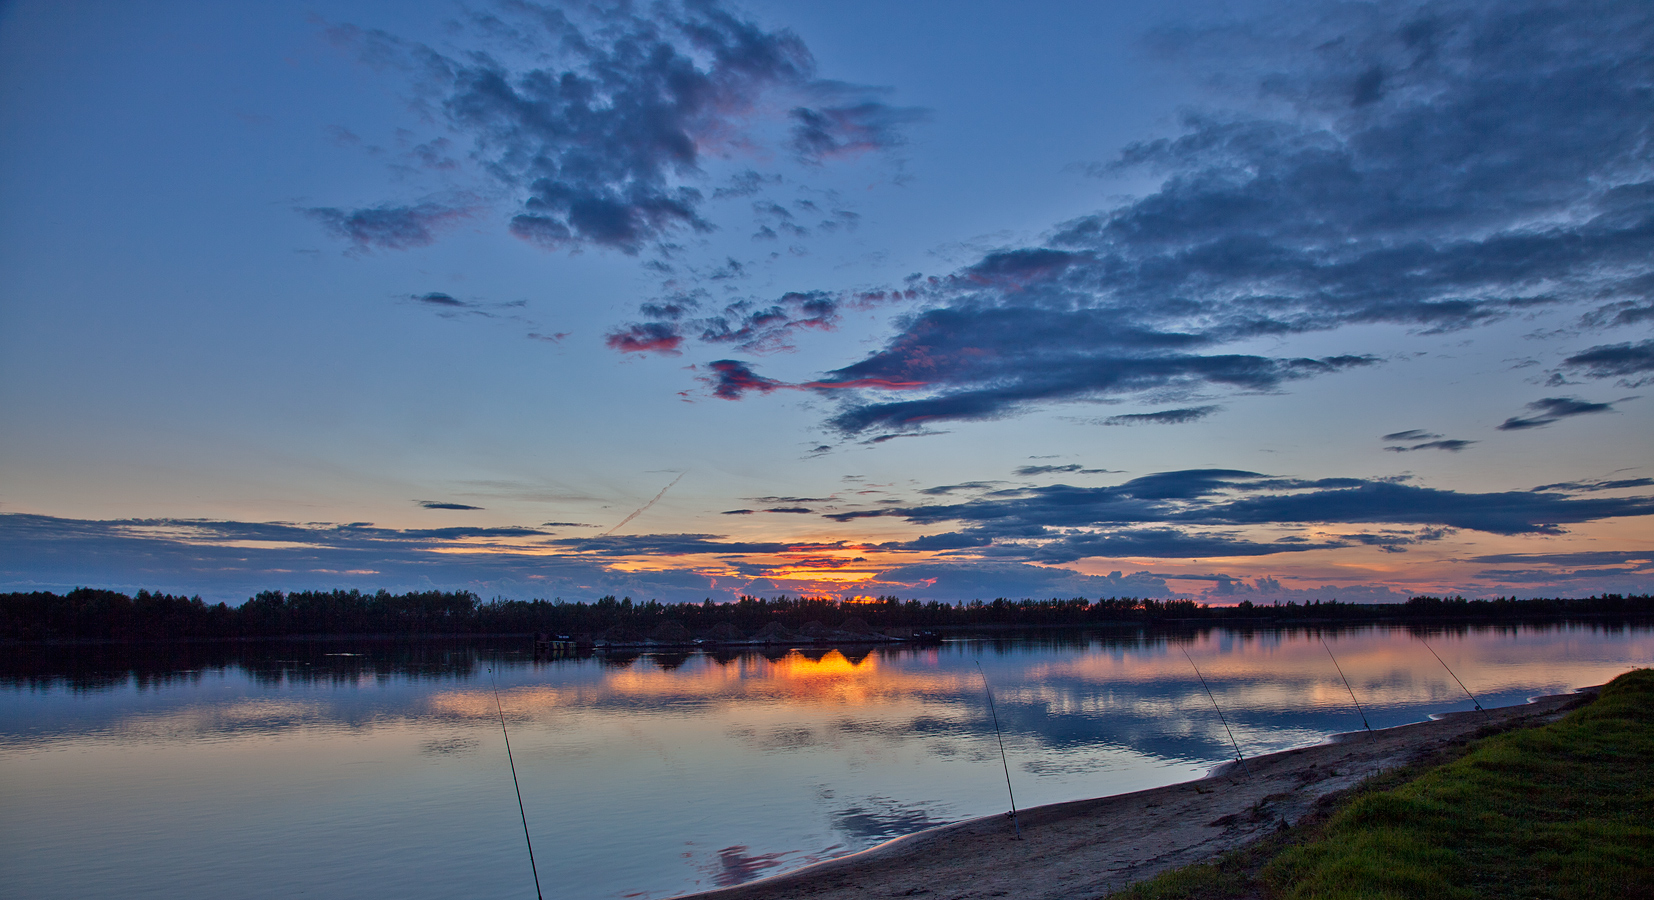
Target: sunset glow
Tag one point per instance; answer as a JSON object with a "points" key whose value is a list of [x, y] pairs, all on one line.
{"points": [[946, 303]]}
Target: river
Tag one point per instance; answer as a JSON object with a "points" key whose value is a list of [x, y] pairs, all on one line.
{"points": [[351, 769]]}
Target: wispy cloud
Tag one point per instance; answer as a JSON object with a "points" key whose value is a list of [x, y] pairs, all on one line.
{"points": [[389, 227], [1633, 362], [1163, 417], [1070, 468], [748, 324], [1418, 439], [1205, 498], [597, 119], [1553, 409], [439, 504], [1434, 166]]}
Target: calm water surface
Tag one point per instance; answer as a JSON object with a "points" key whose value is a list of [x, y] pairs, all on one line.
{"points": [[345, 770]]}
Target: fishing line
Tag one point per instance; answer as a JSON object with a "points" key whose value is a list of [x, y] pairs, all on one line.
{"points": [[1450, 672], [1347, 687], [1244, 764], [520, 810], [1002, 761]]}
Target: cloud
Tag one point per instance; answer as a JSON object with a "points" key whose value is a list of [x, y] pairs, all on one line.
{"points": [[1610, 485], [227, 560], [437, 504], [1413, 434], [665, 545], [1643, 558], [991, 366], [1265, 589], [389, 227], [1453, 445], [1164, 417], [1609, 360], [1071, 468], [749, 324], [1157, 543], [1432, 166], [1206, 498], [1553, 409], [649, 337], [848, 122], [437, 298], [598, 119], [733, 378]]}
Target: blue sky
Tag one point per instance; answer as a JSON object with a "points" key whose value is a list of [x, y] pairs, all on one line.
{"points": [[1224, 300]]}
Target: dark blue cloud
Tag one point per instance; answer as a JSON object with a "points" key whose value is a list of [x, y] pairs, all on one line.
{"points": [[1553, 409], [1158, 543], [1163, 417], [1633, 361], [387, 226], [1203, 498], [603, 144], [731, 378], [1071, 468], [952, 540], [1418, 439], [1453, 445], [846, 121], [437, 504], [750, 324], [664, 545], [1435, 166], [1610, 485], [1643, 558], [989, 365]]}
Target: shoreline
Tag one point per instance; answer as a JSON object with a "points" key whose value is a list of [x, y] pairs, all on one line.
{"points": [[1091, 847]]}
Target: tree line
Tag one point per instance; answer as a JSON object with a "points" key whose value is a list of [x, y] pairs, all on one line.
{"points": [[94, 614]]}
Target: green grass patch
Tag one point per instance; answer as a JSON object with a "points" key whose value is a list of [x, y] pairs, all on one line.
{"points": [[1560, 812]]}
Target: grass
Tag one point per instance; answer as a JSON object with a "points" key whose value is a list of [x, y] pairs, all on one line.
{"points": [[1560, 812]]}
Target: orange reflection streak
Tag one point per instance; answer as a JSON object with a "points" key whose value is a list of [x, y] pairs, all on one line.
{"points": [[795, 679]]}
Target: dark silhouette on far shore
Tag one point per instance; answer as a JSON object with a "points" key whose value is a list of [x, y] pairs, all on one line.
{"points": [[102, 615]]}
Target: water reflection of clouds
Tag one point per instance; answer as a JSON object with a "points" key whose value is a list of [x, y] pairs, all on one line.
{"points": [[1065, 713], [216, 722], [878, 819]]}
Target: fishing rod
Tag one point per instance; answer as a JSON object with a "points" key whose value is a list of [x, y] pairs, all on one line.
{"points": [[1242, 759], [1002, 761], [520, 810], [1347, 687], [1450, 672]]}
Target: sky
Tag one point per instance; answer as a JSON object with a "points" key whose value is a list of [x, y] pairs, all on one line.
{"points": [[1232, 301]]}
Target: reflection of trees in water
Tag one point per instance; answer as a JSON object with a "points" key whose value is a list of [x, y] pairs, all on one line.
{"points": [[97, 667]]}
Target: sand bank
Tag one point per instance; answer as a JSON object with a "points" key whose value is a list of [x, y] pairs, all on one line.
{"points": [[1086, 848]]}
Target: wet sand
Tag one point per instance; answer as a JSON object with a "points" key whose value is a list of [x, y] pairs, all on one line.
{"points": [[1087, 848]]}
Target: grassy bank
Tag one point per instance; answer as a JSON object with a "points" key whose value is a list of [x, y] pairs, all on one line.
{"points": [[1561, 811]]}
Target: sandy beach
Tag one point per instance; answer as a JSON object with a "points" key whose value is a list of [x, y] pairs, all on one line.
{"points": [[1087, 848]]}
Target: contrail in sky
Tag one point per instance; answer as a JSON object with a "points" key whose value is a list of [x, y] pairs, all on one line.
{"points": [[644, 507]]}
